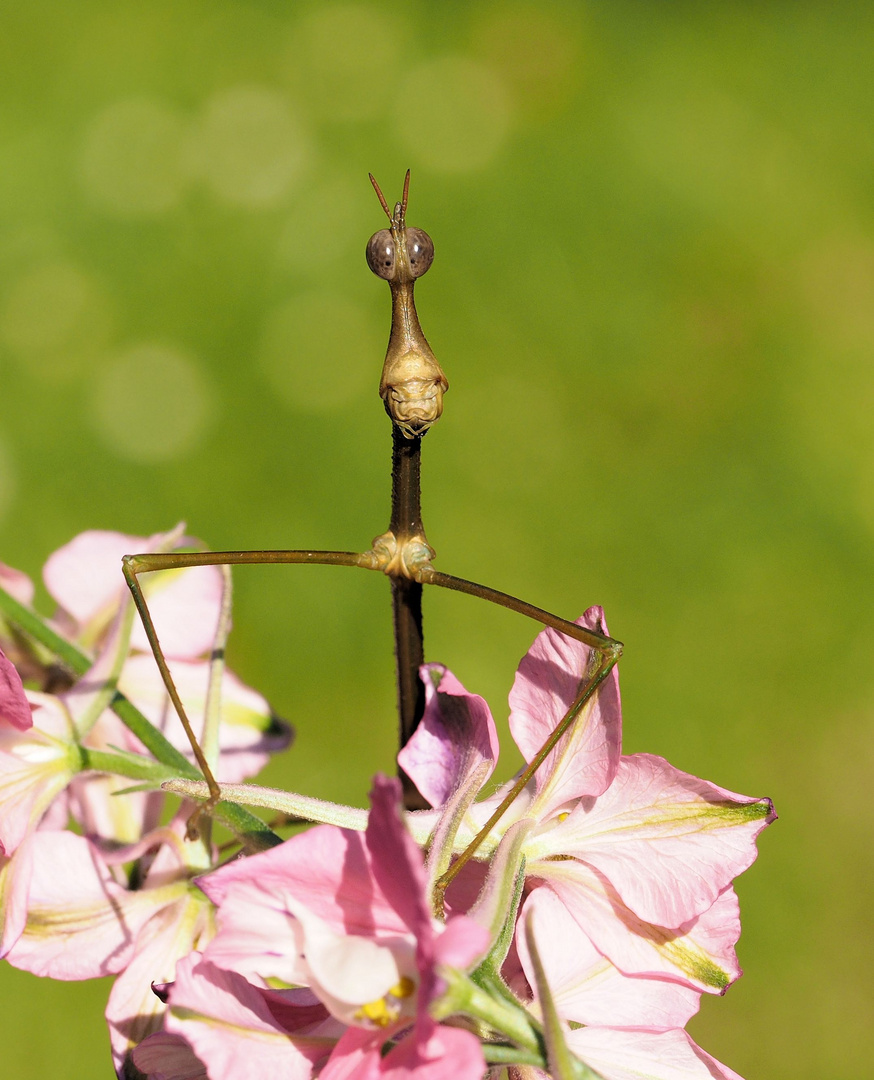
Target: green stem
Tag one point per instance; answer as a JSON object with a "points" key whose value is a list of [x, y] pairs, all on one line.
{"points": [[282, 802], [512, 1021], [121, 763]]}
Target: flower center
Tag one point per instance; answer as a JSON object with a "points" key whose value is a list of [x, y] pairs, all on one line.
{"points": [[386, 1010]]}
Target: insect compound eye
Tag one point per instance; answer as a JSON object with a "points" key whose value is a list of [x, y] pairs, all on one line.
{"points": [[420, 251], [381, 256]]}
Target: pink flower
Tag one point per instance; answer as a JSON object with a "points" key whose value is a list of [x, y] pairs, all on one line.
{"points": [[67, 915], [641, 854], [241, 1031], [85, 579], [71, 916], [348, 916]]}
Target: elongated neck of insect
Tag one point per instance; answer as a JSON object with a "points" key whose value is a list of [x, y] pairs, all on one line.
{"points": [[406, 333]]}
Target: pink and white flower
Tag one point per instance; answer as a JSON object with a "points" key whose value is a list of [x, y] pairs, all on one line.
{"points": [[348, 916], [641, 854]]}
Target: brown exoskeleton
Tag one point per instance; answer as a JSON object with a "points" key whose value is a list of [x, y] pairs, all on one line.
{"points": [[412, 384]]}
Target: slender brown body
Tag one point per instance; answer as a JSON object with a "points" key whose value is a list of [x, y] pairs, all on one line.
{"points": [[412, 384]]}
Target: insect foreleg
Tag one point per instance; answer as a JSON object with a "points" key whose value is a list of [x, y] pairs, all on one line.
{"points": [[608, 650], [134, 565]]}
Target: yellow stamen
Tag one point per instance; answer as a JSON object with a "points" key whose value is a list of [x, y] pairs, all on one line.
{"points": [[385, 1010], [377, 1012]]}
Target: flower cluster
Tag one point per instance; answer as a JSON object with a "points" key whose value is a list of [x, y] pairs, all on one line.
{"points": [[576, 942]]}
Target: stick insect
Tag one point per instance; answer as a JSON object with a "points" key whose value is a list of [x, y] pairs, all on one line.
{"points": [[412, 388]]}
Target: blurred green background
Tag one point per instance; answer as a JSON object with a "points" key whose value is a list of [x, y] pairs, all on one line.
{"points": [[653, 296]]}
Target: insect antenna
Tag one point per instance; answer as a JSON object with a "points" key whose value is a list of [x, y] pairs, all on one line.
{"points": [[381, 197]]}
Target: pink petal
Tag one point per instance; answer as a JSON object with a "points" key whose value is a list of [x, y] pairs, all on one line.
{"points": [[455, 735], [396, 860], [461, 943], [14, 707], [668, 842], [256, 936], [347, 971], [299, 1009], [700, 952], [80, 922], [249, 733], [34, 769], [549, 677], [633, 1055], [444, 1052], [326, 869], [85, 578], [168, 1057], [230, 1028], [585, 985], [357, 1056], [17, 584], [134, 1011]]}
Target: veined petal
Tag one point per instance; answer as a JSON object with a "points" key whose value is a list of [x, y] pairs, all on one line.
{"points": [[84, 577], [168, 1057], [35, 765], [549, 678], [586, 986], [699, 952], [641, 1055], [80, 922], [231, 1029], [668, 842], [326, 868], [134, 1010], [455, 734]]}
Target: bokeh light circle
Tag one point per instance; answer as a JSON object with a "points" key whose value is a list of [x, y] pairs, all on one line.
{"points": [[456, 114], [131, 160], [152, 403], [55, 319], [250, 148]]}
